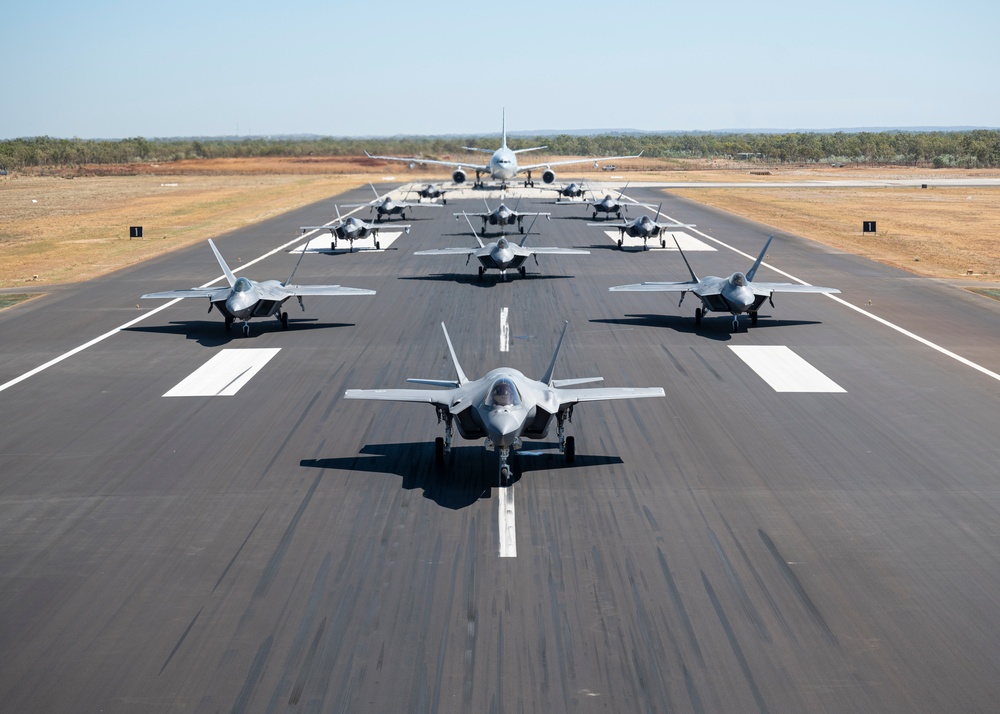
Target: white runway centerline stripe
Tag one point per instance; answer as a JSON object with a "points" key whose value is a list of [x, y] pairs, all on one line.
{"points": [[784, 370], [508, 539], [504, 331], [225, 374]]}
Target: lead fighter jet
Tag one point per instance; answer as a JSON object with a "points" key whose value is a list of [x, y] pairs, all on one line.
{"points": [[246, 298], [736, 294], [504, 406]]}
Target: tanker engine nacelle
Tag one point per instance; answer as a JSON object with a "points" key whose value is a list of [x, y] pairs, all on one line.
{"points": [[458, 176], [548, 176]]}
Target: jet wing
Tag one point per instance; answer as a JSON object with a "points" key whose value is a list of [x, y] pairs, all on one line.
{"points": [[186, 293], [768, 288], [549, 250], [448, 251], [679, 287], [458, 164], [600, 394], [568, 162], [296, 290], [439, 397]]}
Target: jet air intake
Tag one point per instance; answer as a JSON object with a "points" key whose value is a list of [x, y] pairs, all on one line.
{"points": [[458, 176]]}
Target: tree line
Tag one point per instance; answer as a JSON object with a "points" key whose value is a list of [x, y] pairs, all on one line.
{"points": [[979, 148]]}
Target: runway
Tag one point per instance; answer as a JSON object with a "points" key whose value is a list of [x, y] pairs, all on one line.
{"points": [[245, 540]]}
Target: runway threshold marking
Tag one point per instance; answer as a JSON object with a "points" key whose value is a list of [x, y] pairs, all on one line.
{"points": [[508, 536], [687, 242], [225, 374], [504, 331], [784, 370]]}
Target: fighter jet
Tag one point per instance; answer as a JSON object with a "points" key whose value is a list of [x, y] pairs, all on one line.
{"points": [[386, 207], [502, 216], [502, 255], [570, 190], [432, 191], [504, 406], [503, 163], [644, 227], [609, 205], [350, 229], [246, 298], [736, 294]]}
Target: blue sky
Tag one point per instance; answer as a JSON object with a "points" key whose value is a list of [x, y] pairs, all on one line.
{"points": [[112, 69]]}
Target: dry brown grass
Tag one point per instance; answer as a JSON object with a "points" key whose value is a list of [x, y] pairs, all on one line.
{"points": [[935, 232], [74, 225]]}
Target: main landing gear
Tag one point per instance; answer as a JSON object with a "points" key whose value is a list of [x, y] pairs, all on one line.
{"points": [[442, 445], [567, 444]]}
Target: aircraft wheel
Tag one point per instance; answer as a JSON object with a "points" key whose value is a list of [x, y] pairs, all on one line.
{"points": [[570, 449], [444, 201], [663, 242], [402, 216], [753, 318], [377, 246], [619, 215], [229, 324], [698, 312], [439, 450], [620, 242], [284, 320], [594, 217], [520, 228], [524, 271], [480, 272]]}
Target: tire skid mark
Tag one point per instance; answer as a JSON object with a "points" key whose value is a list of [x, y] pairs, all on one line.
{"points": [[271, 569], [793, 581], [741, 592], [238, 551], [734, 644]]}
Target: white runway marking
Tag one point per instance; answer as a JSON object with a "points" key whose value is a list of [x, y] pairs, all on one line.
{"points": [[784, 370], [323, 243], [504, 331], [508, 539], [224, 374], [688, 242]]}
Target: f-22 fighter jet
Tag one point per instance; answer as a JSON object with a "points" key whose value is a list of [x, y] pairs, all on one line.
{"points": [[246, 298], [502, 255], [736, 294], [504, 407]]}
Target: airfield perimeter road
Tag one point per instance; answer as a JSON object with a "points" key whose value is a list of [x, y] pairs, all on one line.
{"points": [[727, 548]]}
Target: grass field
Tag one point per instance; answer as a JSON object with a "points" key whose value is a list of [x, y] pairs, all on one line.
{"points": [[73, 225]]}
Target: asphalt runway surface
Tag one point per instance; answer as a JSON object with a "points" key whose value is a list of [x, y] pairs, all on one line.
{"points": [[727, 548]]}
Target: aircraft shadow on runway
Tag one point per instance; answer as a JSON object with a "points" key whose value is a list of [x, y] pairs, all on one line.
{"points": [[211, 333], [469, 476], [714, 327], [487, 281]]}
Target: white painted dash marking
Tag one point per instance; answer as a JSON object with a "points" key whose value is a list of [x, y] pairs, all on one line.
{"points": [[508, 539], [784, 370], [688, 242], [504, 331], [223, 375]]}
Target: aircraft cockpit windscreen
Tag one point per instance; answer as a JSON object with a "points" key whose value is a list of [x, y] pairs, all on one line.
{"points": [[502, 244], [739, 279], [241, 285], [503, 393]]}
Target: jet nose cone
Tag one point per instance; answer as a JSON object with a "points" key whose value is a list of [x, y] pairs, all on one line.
{"points": [[504, 427], [238, 305]]}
